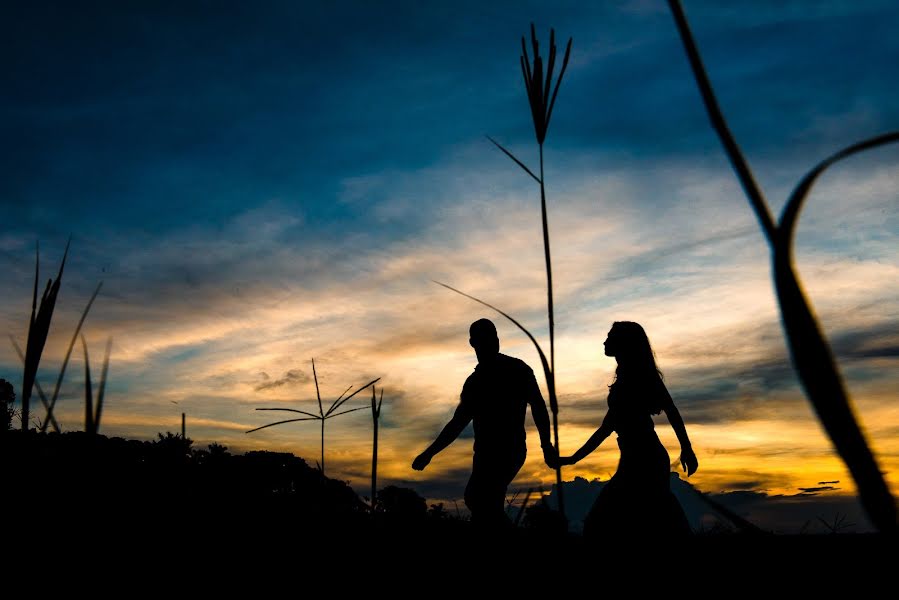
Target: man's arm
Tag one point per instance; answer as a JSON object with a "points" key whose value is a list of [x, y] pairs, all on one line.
{"points": [[541, 418], [461, 419]]}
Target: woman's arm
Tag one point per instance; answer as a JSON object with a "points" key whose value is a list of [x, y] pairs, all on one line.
{"points": [[687, 457], [598, 437]]}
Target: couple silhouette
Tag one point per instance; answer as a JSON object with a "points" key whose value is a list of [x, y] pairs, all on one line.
{"points": [[636, 501]]}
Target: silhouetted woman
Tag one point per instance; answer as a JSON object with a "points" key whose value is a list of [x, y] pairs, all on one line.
{"points": [[638, 498]]}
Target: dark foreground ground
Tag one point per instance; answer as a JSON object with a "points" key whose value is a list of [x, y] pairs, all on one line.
{"points": [[91, 511]]}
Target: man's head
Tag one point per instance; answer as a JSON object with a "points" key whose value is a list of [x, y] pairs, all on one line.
{"points": [[483, 338]]}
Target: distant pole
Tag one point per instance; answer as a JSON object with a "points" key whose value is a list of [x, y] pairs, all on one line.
{"points": [[183, 427]]}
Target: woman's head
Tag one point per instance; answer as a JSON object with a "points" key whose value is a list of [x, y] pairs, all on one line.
{"points": [[628, 343]]}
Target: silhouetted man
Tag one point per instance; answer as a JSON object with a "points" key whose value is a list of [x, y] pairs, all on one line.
{"points": [[495, 397]]}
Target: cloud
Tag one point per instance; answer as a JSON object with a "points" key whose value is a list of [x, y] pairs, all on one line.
{"points": [[291, 377], [813, 491]]}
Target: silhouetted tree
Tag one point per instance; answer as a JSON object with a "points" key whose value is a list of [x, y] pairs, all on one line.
{"points": [[172, 445]]}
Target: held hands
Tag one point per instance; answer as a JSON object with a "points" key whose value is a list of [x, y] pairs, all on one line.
{"points": [[550, 456], [688, 460], [421, 461], [554, 461]]}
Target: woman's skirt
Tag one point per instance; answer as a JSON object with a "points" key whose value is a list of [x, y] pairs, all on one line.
{"points": [[637, 501]]}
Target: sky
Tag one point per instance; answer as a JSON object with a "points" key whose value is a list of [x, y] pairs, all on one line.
{"points": [[257, 185]]}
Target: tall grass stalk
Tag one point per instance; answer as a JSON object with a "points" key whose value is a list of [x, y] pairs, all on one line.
{"points": [[541, 100], [809, 350], [323, 415], [375, 417]]}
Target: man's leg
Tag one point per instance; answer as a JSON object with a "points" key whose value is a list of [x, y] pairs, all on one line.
{"points": [[485, 494]]}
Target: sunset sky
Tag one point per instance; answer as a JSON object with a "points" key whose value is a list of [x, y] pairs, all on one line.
{"points": [[260, 184]]}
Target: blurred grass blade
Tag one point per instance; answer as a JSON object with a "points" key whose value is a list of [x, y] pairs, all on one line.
{"points": [[790, 214], [37, 385], [102, 391], [65, 362], [88, 393], [737, 160], [810, 351]]}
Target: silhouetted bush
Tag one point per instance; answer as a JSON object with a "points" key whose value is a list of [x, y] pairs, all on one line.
{"points": [[539, 516], [7, 405], [401, 504]]}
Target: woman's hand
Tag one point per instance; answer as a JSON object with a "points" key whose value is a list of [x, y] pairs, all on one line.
{"points": [[688, 460]]}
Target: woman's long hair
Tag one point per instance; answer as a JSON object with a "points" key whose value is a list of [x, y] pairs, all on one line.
{"points": [[636, 362]]}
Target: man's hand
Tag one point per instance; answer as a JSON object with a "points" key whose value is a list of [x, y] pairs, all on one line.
{"points": [[421, 461], [551, 456]]}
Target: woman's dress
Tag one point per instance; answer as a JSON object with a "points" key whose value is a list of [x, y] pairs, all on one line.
{"points": [[637, 500]]}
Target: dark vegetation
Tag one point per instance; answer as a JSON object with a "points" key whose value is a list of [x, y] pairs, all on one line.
{"points": [[142, 496]]}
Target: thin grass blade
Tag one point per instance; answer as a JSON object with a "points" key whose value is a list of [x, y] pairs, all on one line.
{"points": [[512, 156], [317, 393], [527, 64], [282, 422], [346, 412], [552, 102], [550, 63], [333, 404], [293, 410], [373, 381]]}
